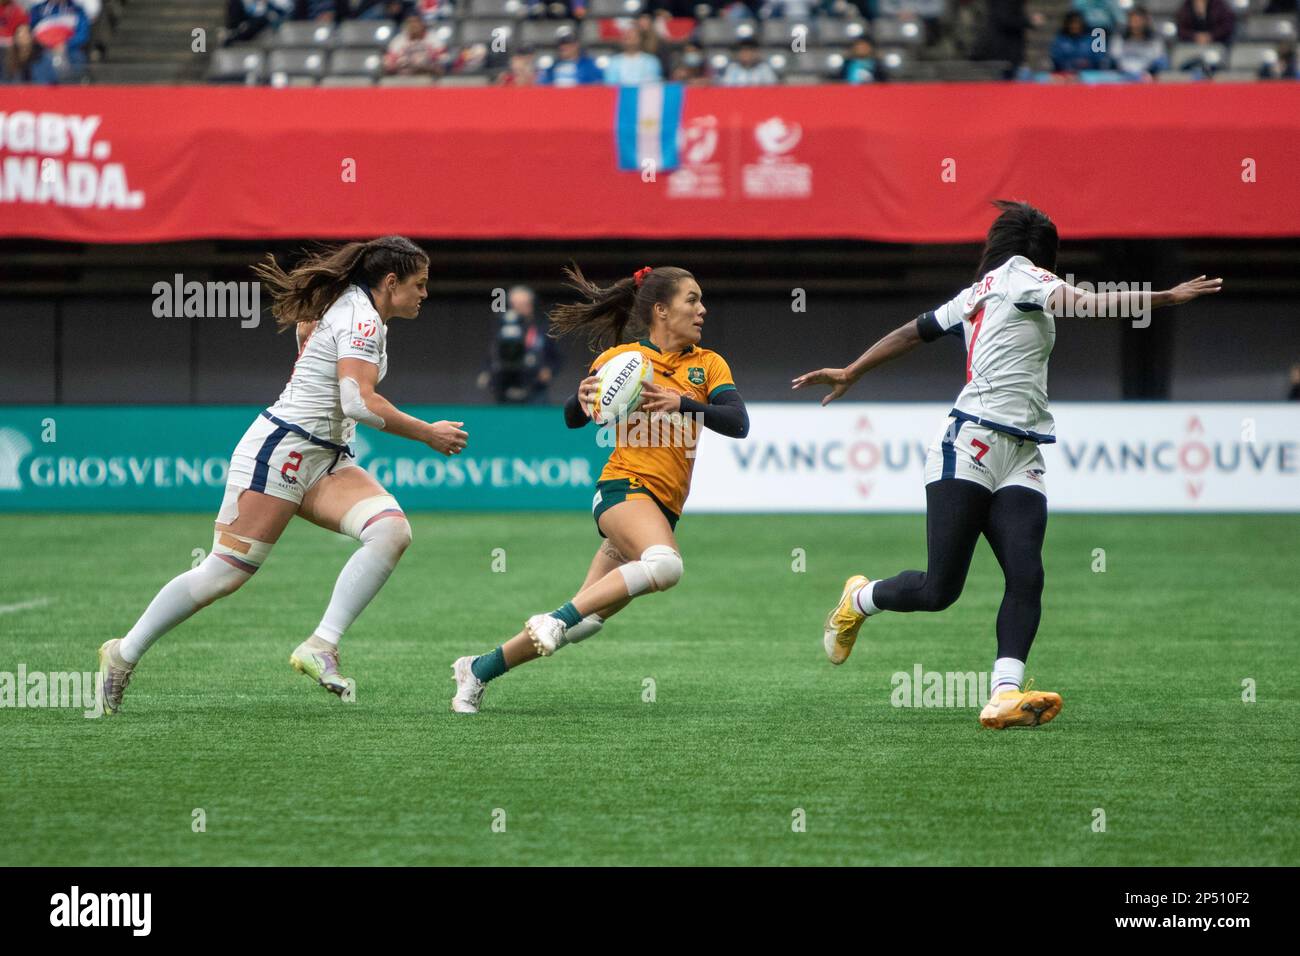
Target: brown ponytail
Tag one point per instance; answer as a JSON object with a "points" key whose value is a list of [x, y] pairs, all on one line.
{"points": [[617, 313], [304, 293]]}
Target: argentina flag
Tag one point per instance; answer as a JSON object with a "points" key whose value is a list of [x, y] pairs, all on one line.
{"points": [[646, 125]]}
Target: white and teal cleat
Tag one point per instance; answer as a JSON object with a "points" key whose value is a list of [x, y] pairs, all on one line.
{"points": [[319, 660], [469, 689], [546, 632]]}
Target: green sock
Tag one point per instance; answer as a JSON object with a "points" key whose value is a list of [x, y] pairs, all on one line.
{"points": [[567, 613], [490, 665]]}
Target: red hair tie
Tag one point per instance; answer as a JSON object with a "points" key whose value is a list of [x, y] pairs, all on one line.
{"points": [[640, 275]]}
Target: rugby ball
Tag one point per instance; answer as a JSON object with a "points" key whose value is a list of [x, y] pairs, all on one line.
{"points": [[621, 379]]}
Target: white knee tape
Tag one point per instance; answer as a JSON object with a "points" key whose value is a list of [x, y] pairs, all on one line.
{"points": [[659, 569], [246, 554], [229, 509], [663, 564], [365, 511]]}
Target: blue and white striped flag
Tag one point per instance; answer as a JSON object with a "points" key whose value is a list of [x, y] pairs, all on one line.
{"points": [[648, 119]]}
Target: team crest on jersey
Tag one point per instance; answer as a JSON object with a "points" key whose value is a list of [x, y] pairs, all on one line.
{"points": [[695, 375]]}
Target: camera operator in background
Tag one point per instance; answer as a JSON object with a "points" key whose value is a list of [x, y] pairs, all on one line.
{"points": [[523, 357]]}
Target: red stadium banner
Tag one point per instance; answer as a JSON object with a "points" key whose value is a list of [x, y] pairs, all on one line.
{"points": [[901, 163]]}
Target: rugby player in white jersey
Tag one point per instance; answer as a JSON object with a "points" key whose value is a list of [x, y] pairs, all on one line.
{"points": [[984, 472], [295, 458]]}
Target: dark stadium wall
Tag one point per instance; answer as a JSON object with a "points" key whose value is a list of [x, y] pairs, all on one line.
{"points": [[113, 350]]}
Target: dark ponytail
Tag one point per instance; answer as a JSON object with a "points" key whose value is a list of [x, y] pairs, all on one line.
{"points": [[305, 292], [618, 313]]}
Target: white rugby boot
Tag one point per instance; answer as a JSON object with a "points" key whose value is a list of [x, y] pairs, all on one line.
{"points": [[546, 632], [469, 689]]}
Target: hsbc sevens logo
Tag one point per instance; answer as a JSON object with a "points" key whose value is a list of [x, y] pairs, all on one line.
{"points": [[984, 449], [293, 464], [366, 328]]}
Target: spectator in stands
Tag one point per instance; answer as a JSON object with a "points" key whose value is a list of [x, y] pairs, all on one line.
{"points": [[655, 40], [25, 61], [799, 10], [1284, 67], [432, 11], [522, 70], [523, 359], [396, 10], [12, 16], [675, 8], [929, 13], [1004, 32], [692, 66], [861, 64], [633, 66], [572, 67], [1206, 21], [1075, 48], [245, 19], [748, 68], [860, 9], [415, 51], [1103, 14], [321, 11], [556, 9], [63, 28], [1139, 54]]}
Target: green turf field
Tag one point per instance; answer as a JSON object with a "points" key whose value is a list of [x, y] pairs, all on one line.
{"points": [[749, 724]]}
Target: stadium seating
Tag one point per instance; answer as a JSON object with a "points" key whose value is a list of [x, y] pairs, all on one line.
{"points": [[283, 54], [237, 64], [300, 34], [1251, 56], [293, 64], [896, 33], [1188, 54], [483, 31], [830, 30], [495, 8], [614, 8], [353, 63], [1275, 27], [544, 32], [365, 33]]}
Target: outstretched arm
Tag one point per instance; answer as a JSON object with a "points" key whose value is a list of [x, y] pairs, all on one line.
{"points": [[898, 342], [1067, 300]]}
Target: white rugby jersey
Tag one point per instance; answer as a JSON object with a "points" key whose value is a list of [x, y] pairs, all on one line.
{"points": [[350, 328], [1009, 335]]}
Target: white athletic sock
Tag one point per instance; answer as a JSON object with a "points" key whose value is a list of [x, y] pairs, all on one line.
{"points": [[382, 545], [179, 598], [862, 598], [1008, 674]]}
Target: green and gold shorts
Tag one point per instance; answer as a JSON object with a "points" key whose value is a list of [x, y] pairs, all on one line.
{"points": [[613, 491]]}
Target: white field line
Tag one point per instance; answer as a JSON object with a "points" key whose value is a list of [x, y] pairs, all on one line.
{"points": [[24, 605]]}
